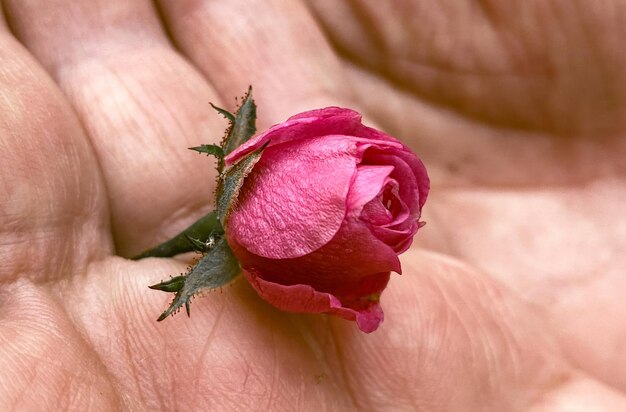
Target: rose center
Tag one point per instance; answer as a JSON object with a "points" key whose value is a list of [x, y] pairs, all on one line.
{"points": [[389, 199]]}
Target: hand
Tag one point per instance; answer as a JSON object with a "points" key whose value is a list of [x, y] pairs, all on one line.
{"points": [[512, 298]]}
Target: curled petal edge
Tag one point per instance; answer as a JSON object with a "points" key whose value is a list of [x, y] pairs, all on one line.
{"points": [[305, 299]]}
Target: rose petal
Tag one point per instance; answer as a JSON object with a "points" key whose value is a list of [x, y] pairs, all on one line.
{"points": [[419, 171], [368, 320], [398, 239], [407, 184], [416, 165], [322, 122], [375, 213], [378, 214], [294, 201], [305, 299], [353, 253], [348, 115], [367, 184]]}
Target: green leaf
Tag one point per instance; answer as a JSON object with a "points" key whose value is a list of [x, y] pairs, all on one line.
{"points": [[206, 229], [243, 125], [232, 181], [217, 268]]}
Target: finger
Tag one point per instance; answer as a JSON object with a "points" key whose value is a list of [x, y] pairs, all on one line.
{"points": [[273, 45], [503, 65], [53, 215], [141, 104]]}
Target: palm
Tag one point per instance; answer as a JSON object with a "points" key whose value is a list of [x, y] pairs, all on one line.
{"points": [[517, 192]]}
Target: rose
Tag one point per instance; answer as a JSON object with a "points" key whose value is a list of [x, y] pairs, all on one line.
{"points": [[320, 220]]}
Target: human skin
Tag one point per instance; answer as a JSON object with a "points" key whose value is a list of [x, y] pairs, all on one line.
{"points": [[512, 297]]}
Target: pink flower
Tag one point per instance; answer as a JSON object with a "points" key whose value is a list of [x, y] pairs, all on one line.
{"points": [[320, 220]]}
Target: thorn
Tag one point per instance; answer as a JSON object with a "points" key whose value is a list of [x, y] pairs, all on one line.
{"points": [[163, 316], [187, 308]]}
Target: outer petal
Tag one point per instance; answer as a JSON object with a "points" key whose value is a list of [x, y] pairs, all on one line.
{"points": [[305, 299], [294, 201], [398, 240], [315, 123], [326, 112], [353, 254]]}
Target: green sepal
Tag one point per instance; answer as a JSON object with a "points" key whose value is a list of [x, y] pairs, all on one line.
{"points": [[216, 269], [228, 115], [206, 229], [243, 126], [232, 181], [210, 149], [172, 285]]}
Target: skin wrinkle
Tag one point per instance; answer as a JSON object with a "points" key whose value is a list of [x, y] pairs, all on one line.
{"points": [[487, 346], [488, 290], [144, 109], [133, 367], [148, 380], [44, 332], [314, 345], [507, 334], [446, 335], [172, 392], [65, 400], [208, 342], [274, 373], [454, 311], [352, 395]]}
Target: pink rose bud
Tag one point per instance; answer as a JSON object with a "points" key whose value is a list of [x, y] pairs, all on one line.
{"points": [[320, 220]]}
